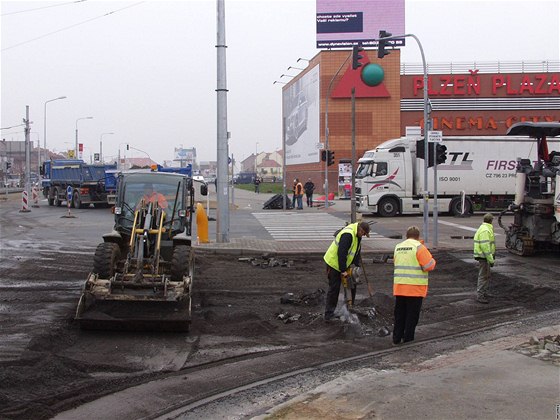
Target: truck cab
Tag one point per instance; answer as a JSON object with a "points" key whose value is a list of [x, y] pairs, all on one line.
{"points": [[383, 176]]}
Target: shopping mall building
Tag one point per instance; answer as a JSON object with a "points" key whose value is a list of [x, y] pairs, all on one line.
{"points": [[466, 99]]}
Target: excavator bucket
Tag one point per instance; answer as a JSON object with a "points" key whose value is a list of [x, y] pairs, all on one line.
{"points": [[161, 305]]}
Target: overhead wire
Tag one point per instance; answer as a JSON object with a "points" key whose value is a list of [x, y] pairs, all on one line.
{"points": [[71, 26], [41, 8]]}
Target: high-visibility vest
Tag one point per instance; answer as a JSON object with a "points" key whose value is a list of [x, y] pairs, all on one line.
{"points": [[484, 243], [331, 256], [410, 278]]}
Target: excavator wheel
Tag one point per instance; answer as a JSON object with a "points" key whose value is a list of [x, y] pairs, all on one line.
{"points": [[105, 260], [182, 263]]}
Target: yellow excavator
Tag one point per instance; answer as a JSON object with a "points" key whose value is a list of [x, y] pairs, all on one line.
{"points": [[142, 274]]}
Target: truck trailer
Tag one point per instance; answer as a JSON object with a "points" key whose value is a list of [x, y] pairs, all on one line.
{"points": [[478, 175], [87, 182]]}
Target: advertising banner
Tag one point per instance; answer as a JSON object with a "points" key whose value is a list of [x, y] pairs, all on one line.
{"points": [[343, 24], [300, 105]]}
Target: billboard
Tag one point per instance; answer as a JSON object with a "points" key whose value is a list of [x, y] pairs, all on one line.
{"points": [[343, 24], [300, 108]]}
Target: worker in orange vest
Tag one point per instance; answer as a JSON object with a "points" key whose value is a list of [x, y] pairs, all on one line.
{"points": [[412, 262]]}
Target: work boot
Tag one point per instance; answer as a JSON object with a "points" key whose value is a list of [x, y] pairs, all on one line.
{"points": [[482, 299]]}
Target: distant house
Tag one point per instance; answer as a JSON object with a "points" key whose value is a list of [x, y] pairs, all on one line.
{"points": [[267, 165], [138, 163]]}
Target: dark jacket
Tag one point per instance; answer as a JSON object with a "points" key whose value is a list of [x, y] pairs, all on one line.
{"points": [[309, 187]]}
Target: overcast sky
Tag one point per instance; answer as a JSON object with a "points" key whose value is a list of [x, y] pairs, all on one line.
{"points": [[147, 71]]}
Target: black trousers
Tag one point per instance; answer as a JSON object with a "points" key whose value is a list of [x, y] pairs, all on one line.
{"points": [[334, 290], [407, 314]]}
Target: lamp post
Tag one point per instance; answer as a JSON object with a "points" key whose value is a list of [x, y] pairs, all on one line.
{"points": [[45, 129], [101, 146], [76, 148], [256, 146]]}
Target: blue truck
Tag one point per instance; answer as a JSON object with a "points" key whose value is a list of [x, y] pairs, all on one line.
{"points": [[88, 183]]}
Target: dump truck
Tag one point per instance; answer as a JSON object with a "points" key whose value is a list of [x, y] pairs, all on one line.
{"points": [[478, 174], [87, 182], [536, 208], [142, 273]]}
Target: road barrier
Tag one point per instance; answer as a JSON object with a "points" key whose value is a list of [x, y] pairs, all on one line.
{"points": [[24, 202]]}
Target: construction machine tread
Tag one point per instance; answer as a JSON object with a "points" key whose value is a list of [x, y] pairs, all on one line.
{"points": [[105, 259], [181, 262]]}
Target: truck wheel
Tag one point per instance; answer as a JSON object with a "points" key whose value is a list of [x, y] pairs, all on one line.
{"points": [[182, 263], [455, 206], [105, 259], [388, 207], [56, 199]]}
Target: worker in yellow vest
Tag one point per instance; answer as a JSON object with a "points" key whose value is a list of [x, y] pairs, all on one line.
{"points": [[343, 251], [485, 253], [412, 262]]}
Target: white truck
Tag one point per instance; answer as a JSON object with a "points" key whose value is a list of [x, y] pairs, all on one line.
{"points": [[390, 178]]}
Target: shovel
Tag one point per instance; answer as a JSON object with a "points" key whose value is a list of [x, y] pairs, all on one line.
{"points": [[371, 311]]}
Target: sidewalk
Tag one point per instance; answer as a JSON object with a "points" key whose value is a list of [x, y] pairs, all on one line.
{"points": [[486, 381]]}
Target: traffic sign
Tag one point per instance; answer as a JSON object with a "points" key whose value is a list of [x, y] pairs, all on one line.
{"points": [[69, 193], [435, 136], [320, 146]]}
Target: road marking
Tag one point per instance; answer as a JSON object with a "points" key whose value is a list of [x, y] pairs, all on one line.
{"points": [[288, 226], [471, 229]]}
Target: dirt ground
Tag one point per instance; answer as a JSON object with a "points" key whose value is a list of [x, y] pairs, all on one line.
{"points": [[47, 364]]}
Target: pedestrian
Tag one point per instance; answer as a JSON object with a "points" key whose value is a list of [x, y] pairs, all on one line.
{"points": [[412, 262], [294, 197], [257, 184], [299, 194], [343, 252], [309, 187], [485, 254]]}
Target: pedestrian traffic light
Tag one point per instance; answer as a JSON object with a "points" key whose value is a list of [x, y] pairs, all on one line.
{"points": [[330, 157], [323, 155], [382, 47], [441, 153], [356, 57]]}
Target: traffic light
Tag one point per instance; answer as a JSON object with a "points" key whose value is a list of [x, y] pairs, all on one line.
{"points": [[441, 153], [356, 57], [323, 155], [381, 49], [8, 165], [127, 147], [330, 157]]}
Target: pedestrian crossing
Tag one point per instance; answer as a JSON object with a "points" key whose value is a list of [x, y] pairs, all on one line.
{"points": [[296, 226]]}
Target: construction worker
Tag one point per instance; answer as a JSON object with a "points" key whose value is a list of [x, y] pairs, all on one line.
{"points": [[299, 194], [485, 254], [412, 262], [344, 251], [151, 196]]}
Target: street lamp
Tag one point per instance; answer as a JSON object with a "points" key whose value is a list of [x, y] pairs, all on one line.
{"points": [[277, 81], [45, 129], [76, 148], [101, 146], [256, 146]]}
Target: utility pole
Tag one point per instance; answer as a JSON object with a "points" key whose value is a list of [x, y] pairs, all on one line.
{"points": [[222, 193], [27, 152]]}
